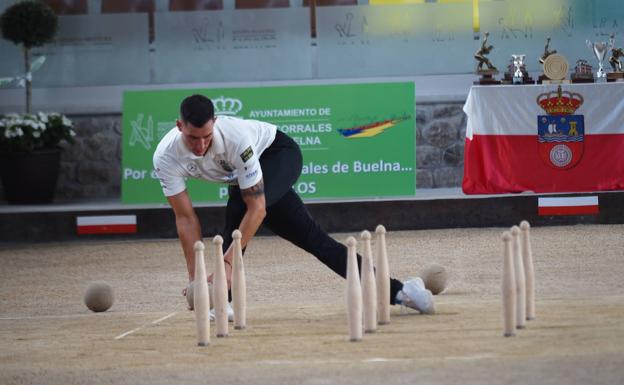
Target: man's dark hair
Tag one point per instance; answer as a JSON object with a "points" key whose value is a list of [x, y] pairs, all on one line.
{"points": [[196, 110]]}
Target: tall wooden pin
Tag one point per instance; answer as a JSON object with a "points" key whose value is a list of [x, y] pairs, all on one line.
{"points": [[369, 286], [527, 258], [201, 300], [220, 290], [520, 279], [354, 293], [383, 277], [239, 287], [508, 288]]}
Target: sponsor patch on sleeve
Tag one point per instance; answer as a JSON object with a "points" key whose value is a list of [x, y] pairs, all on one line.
{"points": [[247, 154], [252, 174]]}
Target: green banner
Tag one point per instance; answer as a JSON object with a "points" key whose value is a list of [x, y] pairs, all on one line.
{"points": [[357, 140]]}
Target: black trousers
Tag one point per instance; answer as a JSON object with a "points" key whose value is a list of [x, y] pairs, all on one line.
{"points": [[287, 216]]}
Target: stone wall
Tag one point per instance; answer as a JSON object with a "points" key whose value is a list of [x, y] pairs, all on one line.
{"points": [[91, 167], [440, 136]]}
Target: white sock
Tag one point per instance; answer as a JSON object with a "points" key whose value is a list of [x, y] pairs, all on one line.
{"points": [[400, 297]]}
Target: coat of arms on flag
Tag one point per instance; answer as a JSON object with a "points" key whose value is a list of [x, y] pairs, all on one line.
{"points": [[560, 133]]}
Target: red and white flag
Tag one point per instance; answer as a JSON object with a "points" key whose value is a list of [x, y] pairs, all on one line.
{"points": [[109, 224], [545, 138], [568, 206]]}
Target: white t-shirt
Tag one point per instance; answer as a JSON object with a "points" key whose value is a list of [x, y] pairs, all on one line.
{"points": [[233, 156]]}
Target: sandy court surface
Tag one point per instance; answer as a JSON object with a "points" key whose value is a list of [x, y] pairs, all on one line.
{"points": [[297, 330]]}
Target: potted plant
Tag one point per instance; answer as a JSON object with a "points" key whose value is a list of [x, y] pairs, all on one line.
{"points": [[30, 155], [29, 143]]}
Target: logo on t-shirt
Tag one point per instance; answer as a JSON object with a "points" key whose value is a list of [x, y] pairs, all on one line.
{"points": [[247, 154], [193, 170], [225, 165]]}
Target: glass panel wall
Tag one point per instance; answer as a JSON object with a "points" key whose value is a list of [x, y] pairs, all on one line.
{"points": [[115, 42], [232, 45]]}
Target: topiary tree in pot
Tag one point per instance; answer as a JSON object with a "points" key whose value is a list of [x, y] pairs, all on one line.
{"points": [[30, 24], [29, 143]]}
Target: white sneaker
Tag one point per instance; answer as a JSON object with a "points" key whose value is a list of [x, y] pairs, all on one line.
{"points": [[415, 295], [230, 313]]}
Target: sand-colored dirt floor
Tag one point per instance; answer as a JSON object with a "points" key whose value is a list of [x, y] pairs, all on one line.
{"points": [[297, 332]]}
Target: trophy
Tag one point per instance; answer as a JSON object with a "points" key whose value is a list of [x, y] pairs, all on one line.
{"points": [[555, 70], [600, 50], [544, 78], [616, 64], [583, 72], [516, 72], [518, 62], [485, 68]]}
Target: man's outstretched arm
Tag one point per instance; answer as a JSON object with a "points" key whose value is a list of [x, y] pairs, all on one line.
{"points": [[256, 211], [189, 229]]}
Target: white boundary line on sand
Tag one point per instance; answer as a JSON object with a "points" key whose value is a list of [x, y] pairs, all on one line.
{"points": [[374, 360], [323, 362], [122, 335], [62, 316], [35, 317]]}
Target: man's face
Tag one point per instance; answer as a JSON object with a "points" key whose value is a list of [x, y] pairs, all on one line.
{"points": [[197, 139]]}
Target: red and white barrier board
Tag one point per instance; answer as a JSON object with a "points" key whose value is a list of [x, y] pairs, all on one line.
{"points": [[108, 224], [568, 206]]}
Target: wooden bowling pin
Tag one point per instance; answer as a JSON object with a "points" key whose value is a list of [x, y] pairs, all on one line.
{"points": [[529, 272], [201, 299], [508, 288], [520, 279], [354, 293], [382, 276], [220, 290], [239, 288], [369, 287]]}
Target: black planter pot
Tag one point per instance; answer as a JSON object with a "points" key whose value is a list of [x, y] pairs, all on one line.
{"points": [[30, 177]]}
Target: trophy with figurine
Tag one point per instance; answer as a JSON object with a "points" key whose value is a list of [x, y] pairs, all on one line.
{"points": [[555, 66], [617, 75], [547, 51], [485, 68]]}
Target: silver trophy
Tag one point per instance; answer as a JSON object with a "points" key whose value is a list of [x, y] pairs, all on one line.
{"points": [[518, 62], [600, 50]]}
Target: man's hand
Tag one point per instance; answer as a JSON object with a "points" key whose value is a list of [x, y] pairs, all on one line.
{"points": [[188, 293], [228, 275]]}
